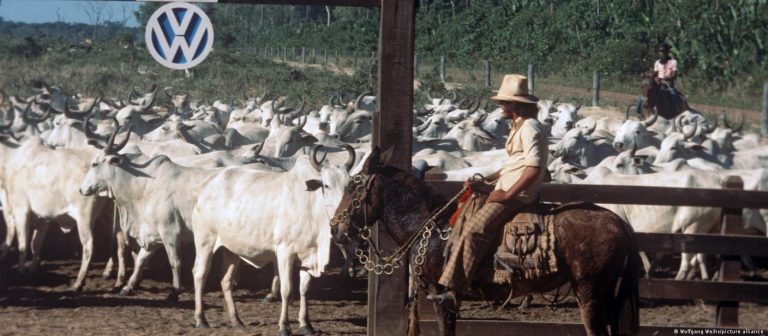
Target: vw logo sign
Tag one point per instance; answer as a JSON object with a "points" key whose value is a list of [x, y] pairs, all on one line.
{"points": [[179, 35]]}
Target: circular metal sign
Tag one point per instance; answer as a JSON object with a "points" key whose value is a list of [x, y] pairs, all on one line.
{"points": [[179, 35]]}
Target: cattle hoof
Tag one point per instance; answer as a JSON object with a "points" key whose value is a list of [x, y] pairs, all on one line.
{"points": [[126, 292], [525, 304], [106, 275], [173, 296], [284, 332], [238, 325], [269, 298], [202, 325], [78, 288], [307, 330]]}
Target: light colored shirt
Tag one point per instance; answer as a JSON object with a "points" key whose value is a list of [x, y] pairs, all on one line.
{"points": [[665, 70], [527, 147]]}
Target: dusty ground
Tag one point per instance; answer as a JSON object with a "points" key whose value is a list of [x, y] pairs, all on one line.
{"points": [[44, 305]]}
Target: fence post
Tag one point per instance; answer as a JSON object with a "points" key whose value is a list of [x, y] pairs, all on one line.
{"points": [[531, 79], [595, 89], [415, 65], [325, 56], [336, 58], [285, 54], [487, 73], [764, 115], [442, 69], [304, 55], [314, 56], [354, 59], [730, 268], [373, 57]]}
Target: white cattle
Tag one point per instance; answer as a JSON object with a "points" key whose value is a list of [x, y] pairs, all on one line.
{"points": [[154, 197], [38, 187], [471, 136], [294, 225], [637, 133], [565, 117], [583, 147], [435, 127]]}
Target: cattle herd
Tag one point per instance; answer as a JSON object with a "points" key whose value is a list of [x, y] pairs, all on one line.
{"points": [[263, 179]]}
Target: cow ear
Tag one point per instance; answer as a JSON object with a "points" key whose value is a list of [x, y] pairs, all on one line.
{"points": [[116, 160], [638, 160], [313, 185], [387, 155], [308, 139], [372, 162]]}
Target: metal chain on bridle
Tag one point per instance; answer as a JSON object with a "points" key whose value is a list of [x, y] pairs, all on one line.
{"points": [[388, 264]]}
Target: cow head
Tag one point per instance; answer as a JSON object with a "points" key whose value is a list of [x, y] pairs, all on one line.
{"points": [[679, 146], [471, 136], [632, 133], [333, 178], [102, 166], [565, 118]]}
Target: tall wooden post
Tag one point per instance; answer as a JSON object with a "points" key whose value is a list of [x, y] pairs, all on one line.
{"points": [[387, 294], [487, 73], [354, 59], [531, 79], [415, 66], [595, 89], [313, 60], [764, 114], [303, 55], [730, 268], [442, 69], [325, 56]]}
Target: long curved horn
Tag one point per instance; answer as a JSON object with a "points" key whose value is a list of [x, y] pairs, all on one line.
{"points": [[87, 127], [302, 122], [429, 95], [302, 105], [318, 165], [688, 135], [741, 124], [423, 126], [33, 120], [478, 120], [679, 123], [111, 148], [67, 112], [330, 101], [11, 112], [476, 106], [626, 113], [359, 99], [592, 128], [461, 102], [652, 120], [634, 149], [453, 95], [351, 159]]}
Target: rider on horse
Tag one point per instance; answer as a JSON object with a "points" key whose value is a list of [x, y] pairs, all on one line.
{"points": [[517, 185]]}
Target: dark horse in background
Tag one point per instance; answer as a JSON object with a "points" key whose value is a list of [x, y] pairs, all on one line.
{"points": [[659, 98], [596, 251]]}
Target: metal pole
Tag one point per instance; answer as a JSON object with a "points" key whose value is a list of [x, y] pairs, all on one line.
{"points": [[764, 115], [531, 79], [487, 73], [442, 69], [595, 89]]}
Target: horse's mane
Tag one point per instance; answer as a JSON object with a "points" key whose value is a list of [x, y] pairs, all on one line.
{"points": [[418, 186]]}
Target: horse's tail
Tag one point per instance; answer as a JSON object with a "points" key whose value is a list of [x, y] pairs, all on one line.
{"points": [[627, 294]]}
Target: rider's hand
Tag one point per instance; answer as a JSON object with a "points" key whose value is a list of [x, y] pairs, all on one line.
{"points": [[498, 196]]}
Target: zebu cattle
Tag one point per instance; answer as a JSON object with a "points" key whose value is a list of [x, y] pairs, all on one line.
{"points": [[442, 159], [435, 127], [565, 118], [218, 159], [583, 147], [496, 125], [154, 197], [285, 138], [202, 134], [664, 219], [296, 227], [39, 191], [471, 136], [637, 133], [69, 129]]}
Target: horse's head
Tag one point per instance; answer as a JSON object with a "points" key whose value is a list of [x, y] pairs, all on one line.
{"points": [[355, 206]]}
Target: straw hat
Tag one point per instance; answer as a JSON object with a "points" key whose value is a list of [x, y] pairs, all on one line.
{"points": [[515, 88]]}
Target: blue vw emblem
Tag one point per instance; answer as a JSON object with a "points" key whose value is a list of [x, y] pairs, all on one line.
{"points": [[179, 35]]}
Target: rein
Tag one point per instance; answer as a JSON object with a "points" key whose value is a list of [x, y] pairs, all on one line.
{"points": [[362, 185]]}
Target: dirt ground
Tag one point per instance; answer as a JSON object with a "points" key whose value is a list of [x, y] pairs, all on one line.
{"points": [[44, 305]]}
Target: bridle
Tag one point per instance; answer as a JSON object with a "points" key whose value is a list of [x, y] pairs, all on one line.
{"points": [[361, 185]]}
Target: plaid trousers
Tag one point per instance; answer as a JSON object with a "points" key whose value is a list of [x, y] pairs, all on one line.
{"points": [[478, 233]]}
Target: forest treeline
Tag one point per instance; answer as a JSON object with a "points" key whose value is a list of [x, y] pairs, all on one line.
{"points": [[722, 43]]}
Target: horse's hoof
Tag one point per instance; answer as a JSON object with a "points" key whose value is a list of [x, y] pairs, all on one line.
{"points": [[269, 298], [202, 325], [307, 330], [284, 332], [126, 292], [238, 325]]}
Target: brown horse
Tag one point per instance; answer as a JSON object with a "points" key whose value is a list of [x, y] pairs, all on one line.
{"points": [[655, 97], [596, 250]]}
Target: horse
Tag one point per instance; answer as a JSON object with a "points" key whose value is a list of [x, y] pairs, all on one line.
{"points": [[595, 249], [656, 97]]}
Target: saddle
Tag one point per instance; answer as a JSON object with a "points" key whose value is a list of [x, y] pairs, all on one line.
{"points": [[527, 249], [526, 244]]}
